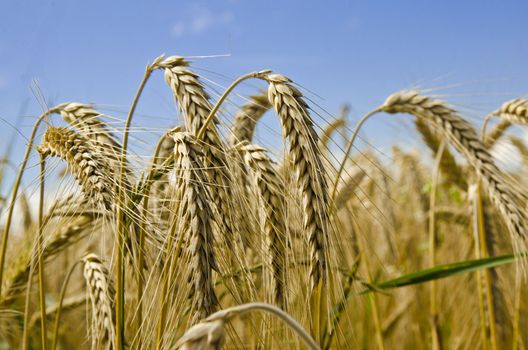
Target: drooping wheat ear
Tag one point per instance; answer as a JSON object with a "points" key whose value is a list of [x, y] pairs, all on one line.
{"points": [[247, 118], [191, 96], [329, 130], [511, 112], [88, 167], [195, 106], [462, 135], [195, 220], [515, 111], [448, 165], [298, 129], [337, 123], [101, 291], [88, 121], [346, 192], [270, 189], [160, 187]]}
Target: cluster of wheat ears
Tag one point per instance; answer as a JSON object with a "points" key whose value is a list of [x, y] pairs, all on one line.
{"points": [[218, 242]]}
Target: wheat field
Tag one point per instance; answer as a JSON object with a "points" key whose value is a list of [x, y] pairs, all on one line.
{"points": [[200, 237]]}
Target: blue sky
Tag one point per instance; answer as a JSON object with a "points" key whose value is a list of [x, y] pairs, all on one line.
{"points": [[339, 51]]}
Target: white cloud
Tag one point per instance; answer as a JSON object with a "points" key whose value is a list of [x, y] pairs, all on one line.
{"points": [[178, 29], [200, 20]]}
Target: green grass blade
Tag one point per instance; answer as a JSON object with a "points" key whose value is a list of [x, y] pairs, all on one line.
{"points": [[443, 271]]}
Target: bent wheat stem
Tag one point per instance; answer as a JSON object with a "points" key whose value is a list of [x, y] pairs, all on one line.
{"points": [[14, 194], [120, 215], [59, 308], [348, 150], [211, 115], [40, 252]]}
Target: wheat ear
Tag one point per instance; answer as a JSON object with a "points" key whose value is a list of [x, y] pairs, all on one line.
{"points": [[194, 103], [101, 291], [337, 123], [89, 168], [88, 121], [195, 220], [298, 129], [462, 135], [247, 117], [269, 186], [201, 121], [511, 112]]}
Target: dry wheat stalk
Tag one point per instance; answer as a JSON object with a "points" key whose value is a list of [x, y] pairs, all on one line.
{"points": [[270, 187], [89, 168], [465, 139], [297, 128], [195, 221], [247, 117], [101, 292]]}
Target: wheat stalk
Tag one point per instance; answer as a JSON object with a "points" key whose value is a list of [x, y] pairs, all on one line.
{"points": [[101, 291]]}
